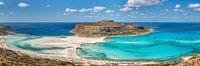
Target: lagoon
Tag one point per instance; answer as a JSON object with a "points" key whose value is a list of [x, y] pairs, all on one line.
{"points": [[168, 41]]}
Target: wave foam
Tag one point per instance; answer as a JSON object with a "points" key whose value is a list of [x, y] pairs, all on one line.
{"points": [[188, 41], [134, 42]]}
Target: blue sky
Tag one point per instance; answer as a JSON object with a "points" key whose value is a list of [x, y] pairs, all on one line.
{"points": [[94, 10]]}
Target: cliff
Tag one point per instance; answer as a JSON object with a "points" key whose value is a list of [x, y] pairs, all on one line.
{"points": [[108, 28], [4, 30]]}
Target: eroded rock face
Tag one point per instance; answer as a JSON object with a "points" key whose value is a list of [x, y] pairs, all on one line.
{"points": [[108, 28], [4, 30]]}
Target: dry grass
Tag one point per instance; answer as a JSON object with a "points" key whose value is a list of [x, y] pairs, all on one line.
{"points": [[10, 58]]}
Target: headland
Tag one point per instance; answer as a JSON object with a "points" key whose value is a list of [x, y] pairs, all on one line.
{"points": [[86, 33], [109, 28]]}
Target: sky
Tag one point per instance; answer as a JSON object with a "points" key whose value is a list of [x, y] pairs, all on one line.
{"points": [[95, 10]]}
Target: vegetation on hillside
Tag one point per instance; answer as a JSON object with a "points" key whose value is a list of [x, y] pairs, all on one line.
{"points": [[11, 58]]}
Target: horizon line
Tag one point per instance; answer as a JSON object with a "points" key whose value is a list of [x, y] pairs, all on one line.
{"points": [[87, 21]]}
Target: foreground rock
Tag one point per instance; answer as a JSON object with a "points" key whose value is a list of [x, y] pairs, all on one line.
{"points": [[11, 58], [192, 61], [108, 28]]}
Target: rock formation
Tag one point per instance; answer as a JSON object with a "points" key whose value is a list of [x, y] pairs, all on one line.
{"points": [[4, 30], [193, 61], [108, 28]]}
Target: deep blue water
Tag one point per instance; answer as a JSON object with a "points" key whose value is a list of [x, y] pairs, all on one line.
{"points": [[59, 29], [42, 29], [168, 41]]}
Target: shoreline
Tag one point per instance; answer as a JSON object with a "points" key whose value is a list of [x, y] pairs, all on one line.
{"points": [[71, 55], [145, 33]]}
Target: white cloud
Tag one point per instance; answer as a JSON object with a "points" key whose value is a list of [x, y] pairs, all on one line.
{"points": [[177, 6], [195, 7], [83, 10], [109, 11], [138, 3], [126, 9], [95, 9], [23, 5], [69, 10], [179, 10], [1, 3]]}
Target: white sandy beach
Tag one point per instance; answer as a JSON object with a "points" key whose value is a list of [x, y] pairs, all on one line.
{"points": [[69, 42], [69, 54]]}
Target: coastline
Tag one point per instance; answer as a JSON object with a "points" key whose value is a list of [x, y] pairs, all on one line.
{"points": [[71, 43], [71, 56], [150, 31]]}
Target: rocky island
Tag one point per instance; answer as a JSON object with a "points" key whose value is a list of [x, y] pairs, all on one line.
{"points": [[10, 56], [108, 28]]}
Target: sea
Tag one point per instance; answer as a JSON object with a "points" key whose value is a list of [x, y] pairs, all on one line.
{"points": [[170, 40]]}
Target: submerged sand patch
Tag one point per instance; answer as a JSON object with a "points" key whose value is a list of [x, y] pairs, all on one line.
{"points": [[70, 43]]}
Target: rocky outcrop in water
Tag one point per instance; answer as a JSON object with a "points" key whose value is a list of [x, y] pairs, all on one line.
{"points": [[108, 28]]}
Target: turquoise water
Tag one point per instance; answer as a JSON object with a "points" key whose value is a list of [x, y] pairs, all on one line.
{"points": [[24, 43], [168, 41]]}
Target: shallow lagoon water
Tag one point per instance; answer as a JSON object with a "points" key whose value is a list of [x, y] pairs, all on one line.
{"points": [[168, 41], [23, 43], [140, 49]]}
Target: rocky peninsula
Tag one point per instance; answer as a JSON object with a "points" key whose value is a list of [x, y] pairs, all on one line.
{"points": [[109, 28], [4, 30], [9, 56]]}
